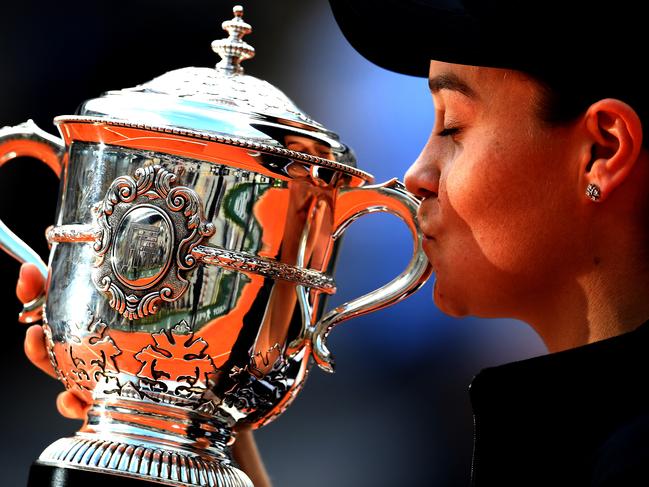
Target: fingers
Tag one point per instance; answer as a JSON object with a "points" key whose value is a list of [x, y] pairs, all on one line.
{"points": [[67, 403], [71, 406], [36, 349], [30, 283]]}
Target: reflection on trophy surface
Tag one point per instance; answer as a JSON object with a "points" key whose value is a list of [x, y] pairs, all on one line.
{"points": [[199, 219]]}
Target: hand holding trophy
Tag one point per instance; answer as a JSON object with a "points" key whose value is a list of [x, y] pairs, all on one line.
{"points": [[31, 285], [199, 219]]}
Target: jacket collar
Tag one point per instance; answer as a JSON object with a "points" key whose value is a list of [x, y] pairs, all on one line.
{"points": [[547, 417]]}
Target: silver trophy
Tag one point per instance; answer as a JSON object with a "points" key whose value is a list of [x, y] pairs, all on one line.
{"points": [[199, 219]]}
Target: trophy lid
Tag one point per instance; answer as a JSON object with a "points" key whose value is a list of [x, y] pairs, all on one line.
{"points": [[225, 103]]}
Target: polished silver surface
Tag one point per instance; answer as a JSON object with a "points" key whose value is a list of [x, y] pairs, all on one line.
{"points": [[194, 246], [233, 50], [399, 288], [72, 233], [141, 251], [141, 460], [26, 139]]}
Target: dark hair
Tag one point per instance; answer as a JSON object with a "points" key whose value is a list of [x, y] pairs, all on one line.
{"points": [[561, 102], [557, 106]]}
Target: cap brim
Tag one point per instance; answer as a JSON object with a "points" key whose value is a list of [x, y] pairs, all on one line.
{"points": [[403, 36]]}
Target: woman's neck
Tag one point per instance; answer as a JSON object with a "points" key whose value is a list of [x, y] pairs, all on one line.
{"points": [[608, 298]]}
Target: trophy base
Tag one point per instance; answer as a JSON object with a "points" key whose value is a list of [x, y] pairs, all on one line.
{"points": [[89, 460], [42, 475]]}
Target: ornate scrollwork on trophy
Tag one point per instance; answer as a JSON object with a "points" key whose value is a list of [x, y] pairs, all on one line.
{"points": [[147, 231]]}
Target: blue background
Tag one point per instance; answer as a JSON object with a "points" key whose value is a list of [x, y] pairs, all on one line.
{"points": [[397, 411]]}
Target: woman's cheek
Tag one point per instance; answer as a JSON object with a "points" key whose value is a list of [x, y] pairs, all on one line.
{"points": [[481, 216]]}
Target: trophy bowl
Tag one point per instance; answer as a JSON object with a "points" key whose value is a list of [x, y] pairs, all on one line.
{"points": [[196, 234]]}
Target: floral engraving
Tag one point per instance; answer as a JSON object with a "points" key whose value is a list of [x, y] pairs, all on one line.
{"points": [[175, 368], [92, 364]]}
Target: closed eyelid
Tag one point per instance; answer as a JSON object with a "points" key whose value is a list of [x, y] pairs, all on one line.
{"points": [[445, 121], [451, 122]]}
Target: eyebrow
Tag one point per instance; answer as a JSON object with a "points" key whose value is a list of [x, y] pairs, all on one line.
{"points": [[450, 81]]}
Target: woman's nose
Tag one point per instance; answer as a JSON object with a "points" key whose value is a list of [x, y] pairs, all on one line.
{"points": [[422, 178]]}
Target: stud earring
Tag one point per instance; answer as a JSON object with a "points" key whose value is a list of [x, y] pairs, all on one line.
{"points": [[593, 192]]}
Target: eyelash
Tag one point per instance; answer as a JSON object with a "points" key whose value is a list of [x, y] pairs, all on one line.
{"points": [[448, 131]]}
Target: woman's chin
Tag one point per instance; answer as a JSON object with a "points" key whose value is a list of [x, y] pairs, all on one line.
{"points": [[446, 302]]}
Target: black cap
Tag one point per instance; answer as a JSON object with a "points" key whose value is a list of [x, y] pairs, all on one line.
{"points": [[580, 46]]}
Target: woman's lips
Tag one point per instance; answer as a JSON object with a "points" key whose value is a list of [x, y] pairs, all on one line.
{"points": [[428, 242], [428, 235]]}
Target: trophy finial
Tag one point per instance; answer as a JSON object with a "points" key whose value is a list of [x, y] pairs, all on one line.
{"points": [[233, 49]]}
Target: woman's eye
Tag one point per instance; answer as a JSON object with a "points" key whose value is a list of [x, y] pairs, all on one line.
{"points": [[447, 131]]}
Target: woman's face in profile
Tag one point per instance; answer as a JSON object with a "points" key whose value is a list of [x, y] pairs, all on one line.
{"points": [[501, 194]]}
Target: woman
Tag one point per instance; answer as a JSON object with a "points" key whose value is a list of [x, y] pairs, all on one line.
{"points": [[534, 205]]}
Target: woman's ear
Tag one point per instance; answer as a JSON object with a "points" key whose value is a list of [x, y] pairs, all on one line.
{"points": [[615, 131]]}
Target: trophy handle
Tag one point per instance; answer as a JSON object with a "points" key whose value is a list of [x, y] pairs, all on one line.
{"points": [[353, 203], [27, 139]]}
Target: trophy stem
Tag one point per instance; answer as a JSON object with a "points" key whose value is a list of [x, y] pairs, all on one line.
{"points": [[152, 443]]}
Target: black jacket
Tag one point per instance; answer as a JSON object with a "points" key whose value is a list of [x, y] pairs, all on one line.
{"points": [[573, 418]]}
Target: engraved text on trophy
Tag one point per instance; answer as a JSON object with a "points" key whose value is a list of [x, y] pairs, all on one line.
{"points": [[143, 247]]}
